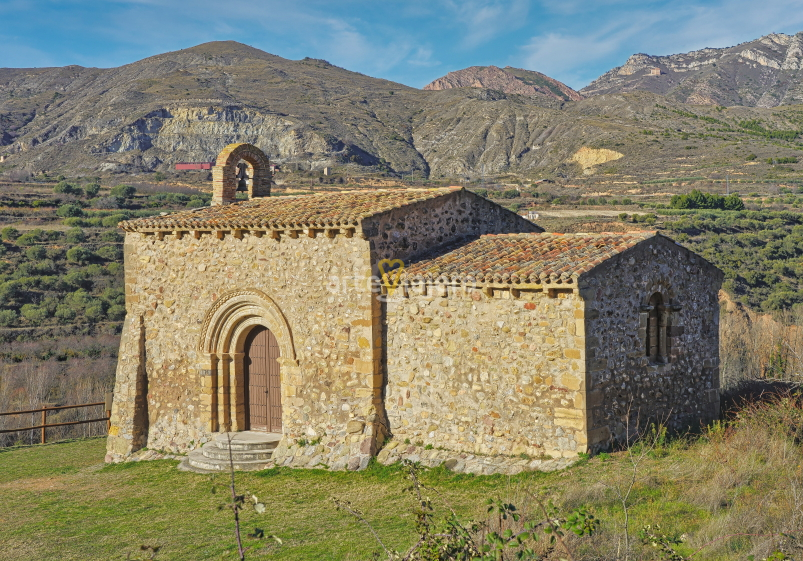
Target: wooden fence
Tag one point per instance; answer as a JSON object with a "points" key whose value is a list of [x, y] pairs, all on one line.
{"points": [[45, 425]]}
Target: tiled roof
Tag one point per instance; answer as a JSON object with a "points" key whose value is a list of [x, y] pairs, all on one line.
{"points": [[338, 209], [523, 258]]}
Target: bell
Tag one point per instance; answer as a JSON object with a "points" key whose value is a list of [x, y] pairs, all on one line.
{"points": [[242, 185]]}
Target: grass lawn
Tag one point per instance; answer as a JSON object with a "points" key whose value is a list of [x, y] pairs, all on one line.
{"points": [[60, 502]]}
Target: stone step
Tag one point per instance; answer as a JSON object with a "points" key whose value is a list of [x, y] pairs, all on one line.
{"points": [[247, 440], [212, 451], [198, 460]]}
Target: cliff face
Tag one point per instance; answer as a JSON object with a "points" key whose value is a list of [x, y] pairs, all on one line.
{"points": [[766, 72], [508, 80]]}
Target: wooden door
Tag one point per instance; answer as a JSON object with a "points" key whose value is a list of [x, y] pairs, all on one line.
{"points": [[263, 381]]}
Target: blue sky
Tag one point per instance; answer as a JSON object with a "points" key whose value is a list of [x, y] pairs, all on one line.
{"points": [[412, 41]]}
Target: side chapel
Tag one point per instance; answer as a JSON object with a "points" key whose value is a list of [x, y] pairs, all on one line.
{"points": [[333, 327]]}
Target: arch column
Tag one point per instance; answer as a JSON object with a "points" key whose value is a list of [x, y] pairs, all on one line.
{"points": [[223, 335]]}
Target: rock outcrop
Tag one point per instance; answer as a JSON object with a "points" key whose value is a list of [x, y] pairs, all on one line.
{"points": [[766, 72], [508, 80]]}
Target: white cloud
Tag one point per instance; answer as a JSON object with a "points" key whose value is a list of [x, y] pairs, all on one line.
{"points": [[422, 56], [484, 20]]}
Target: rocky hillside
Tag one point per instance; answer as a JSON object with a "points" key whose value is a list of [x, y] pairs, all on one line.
{"points": [[508, 80], [766, 72], [187, 105]]}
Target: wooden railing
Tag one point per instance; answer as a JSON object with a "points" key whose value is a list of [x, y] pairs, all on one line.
{"points": [[45, 425]]}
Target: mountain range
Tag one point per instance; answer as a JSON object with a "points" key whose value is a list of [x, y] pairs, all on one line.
{"points": [[766, 72], [186, 105]]}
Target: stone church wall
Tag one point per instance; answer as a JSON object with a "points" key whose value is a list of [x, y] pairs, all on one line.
{"points": [[171, 284], [626, 389], [486, 375], [412, 230]]}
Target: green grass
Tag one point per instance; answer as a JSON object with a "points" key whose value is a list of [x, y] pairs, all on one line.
{"points": [[61, 502]]}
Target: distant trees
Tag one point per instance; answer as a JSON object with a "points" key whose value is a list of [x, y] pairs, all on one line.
{"points": [[698, 199]]}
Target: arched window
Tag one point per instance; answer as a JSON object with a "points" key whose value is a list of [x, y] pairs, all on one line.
{"points": [[656, 329]]}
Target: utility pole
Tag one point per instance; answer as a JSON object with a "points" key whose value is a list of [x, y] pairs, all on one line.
{"points": [[727, 184]]}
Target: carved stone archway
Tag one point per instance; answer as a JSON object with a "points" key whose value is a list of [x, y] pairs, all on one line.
{"points": [[223, 333], [224, 174]]}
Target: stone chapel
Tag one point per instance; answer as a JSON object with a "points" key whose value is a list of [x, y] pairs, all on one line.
{"points": [[432, 323]]}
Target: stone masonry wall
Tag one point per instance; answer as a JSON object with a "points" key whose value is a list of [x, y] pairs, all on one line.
{"points": [[413, 230], [486, 373], [624, 388], [329, 396]]}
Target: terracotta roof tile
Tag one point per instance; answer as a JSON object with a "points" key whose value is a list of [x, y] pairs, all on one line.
{"points": [[338, 209], [523, 258]]}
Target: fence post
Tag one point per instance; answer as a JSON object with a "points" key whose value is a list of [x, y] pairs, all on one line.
{"points": [[109, 398], [44, 422]]}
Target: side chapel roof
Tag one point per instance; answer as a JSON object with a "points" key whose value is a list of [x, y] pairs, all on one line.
{"points": [[325, 210], [523, 258]]}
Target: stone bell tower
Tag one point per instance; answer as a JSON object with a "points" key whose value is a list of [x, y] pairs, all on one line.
{"points": [[254, 177]]}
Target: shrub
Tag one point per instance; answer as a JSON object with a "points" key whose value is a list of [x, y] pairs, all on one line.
{"points": [[95, 312], [627, 201], [33, 313], [123, 191], [109, 252], [3, 249], [509, 194], [113, 220], [35, 253], [64, 187], [78, 300], [30, 238], [91, 189], [70, 211], [623, 216], [9, 233], [65, 313], [111, 236], [75, 235], [94, 270], [733, 202], [55, 253], [195, 202], [79, 255], [116, 312], [114, 296], [8, 318]]}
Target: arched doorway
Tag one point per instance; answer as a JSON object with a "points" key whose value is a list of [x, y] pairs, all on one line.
{"points": [[262, 380], [224, 344]]}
